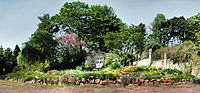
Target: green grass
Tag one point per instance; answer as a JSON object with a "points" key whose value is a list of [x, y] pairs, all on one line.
{"points": [[25, 85]]}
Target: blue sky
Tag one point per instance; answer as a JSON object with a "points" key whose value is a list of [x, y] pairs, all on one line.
{"points": [[18, 18]]}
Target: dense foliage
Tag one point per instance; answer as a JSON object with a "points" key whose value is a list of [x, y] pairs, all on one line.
{"points": [[8, 59], [130, 72], [66, 40]]}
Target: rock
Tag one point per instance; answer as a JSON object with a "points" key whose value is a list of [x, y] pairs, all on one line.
{"points": [[82, 84], [54, 81], [59, 80], [151, 83], [101, 82], [142, 80], [11, 79], [153, 79], [97, 81], [48, 80], [72, 80], [52, 71], [146, 82], [83, 79], [119, 80], [196, 81], [78, 81], [136, 80], [156, 83], [33, 81], [165, 80], [159, 80], [129, 80], [44, 82], [139, 83], [29, 82], [114, 81], [92, 81], [110, 81], [104, 82], [65, 80]]}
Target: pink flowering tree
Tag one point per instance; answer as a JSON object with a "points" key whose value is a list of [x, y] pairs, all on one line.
{"points": [[70, 51], [69, 40]]}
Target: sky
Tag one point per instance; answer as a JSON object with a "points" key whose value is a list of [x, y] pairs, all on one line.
{"points": [[19, 18]]}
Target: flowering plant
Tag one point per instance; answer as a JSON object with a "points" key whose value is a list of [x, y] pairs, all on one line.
{"points": [[70, 39]]}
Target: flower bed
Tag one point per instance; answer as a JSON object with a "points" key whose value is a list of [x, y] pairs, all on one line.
{"points": [[131, 75]]}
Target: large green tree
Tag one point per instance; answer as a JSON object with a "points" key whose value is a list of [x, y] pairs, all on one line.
{"points": [[194, 30], [167, 32], [157, 38], [193, 27], [127, 43], [15, 53], [90, 23], [178, 29], [40, 47]]}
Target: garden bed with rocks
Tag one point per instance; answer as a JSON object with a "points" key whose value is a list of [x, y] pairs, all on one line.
{"points": [[127, 76]]}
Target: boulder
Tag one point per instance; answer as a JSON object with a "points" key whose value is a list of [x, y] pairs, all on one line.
{"points": [[142, 80], [97, 81], [92, 81], [104, 82], [72, 80], [196, 81]]}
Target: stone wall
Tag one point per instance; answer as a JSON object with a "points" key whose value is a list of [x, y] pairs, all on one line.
{"points": [[170, 64]]}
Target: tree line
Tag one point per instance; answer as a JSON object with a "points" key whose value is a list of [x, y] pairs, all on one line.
{"points": [[8, 59]]}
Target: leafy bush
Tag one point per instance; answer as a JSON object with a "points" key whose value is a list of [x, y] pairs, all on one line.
{"points": [[79, 68], [147, 68], [88, 74], [21, 61], [179, 53], [110, 59], [181, 77], [151, 75], [124, 81], [89, 65], [128, 58], [110, 76], [95, 74], [172, 71], [115, 65]]}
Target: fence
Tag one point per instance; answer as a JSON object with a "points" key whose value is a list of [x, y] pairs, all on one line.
{"points": [[162, 61]]}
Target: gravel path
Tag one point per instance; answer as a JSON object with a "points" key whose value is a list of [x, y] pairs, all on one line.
{"points": [[66, 89]]}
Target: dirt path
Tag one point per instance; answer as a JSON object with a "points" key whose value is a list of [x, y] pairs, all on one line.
{"points": [[23, 88]]}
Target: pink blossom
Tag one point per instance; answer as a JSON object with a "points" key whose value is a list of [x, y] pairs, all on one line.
{"points": [[70, 39]]}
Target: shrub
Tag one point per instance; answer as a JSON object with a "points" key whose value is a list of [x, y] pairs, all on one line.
{"points": [[79, 68], [124, 81], [89, 65], [21, 61], [181, 77], [115, 65], [172, 71], [128, 58], [110, 76], [147, 68], [179, 53], [110, 59]]}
